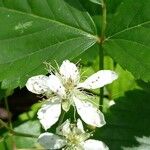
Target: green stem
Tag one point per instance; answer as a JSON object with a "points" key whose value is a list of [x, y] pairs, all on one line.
{"points": [[104, 15], [61, 118], [16, 133], [74, 114], [101, 67], [101, 51]]}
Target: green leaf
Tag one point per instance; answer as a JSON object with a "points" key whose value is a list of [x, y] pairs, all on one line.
{"points": [[127, 121], [89, 56], [112, 6], [28, 127], [125, 82], [32, 32], [97, 1], [144, 85], [128, 37]]}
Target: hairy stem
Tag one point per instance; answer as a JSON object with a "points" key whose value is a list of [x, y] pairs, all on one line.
{"points": [[101, 51], [16, 133]]}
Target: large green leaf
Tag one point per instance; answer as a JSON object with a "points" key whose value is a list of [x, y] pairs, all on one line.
{"points": [[127, 122], [32, 32], [127, 40]]}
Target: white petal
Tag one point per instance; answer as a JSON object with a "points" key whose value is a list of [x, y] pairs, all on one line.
{"points": [[99, 79], [56, 86], [89, 114], [70, 71], [51, 141], [37, 84], [64, 129], [49, 113], [94, 145], [80, 125]]}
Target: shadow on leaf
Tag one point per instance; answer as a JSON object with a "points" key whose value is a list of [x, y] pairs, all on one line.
{"points": [[127, 121]]}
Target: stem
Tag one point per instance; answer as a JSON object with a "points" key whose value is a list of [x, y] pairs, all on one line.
{"points": [[16, 133], [61, 118], [74, 114], [101, 51], [9, 122], [7, 108], [101, 67], [104, 14]]}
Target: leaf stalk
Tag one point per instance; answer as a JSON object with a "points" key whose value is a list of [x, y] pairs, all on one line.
{"points": [[16, 133], [101, 50]]}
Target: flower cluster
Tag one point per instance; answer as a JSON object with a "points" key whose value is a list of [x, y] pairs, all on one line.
{"points": [[62, 89]]}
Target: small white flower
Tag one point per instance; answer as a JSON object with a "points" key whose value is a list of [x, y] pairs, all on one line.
{"points": [[70, 137], [65, 85]]}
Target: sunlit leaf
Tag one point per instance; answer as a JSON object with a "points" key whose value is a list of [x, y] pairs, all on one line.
{"points": [[128, 37], [32, 32]]}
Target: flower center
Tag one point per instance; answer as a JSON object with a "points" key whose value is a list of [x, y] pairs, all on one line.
{"points": [[69, 85], [73, 140]]}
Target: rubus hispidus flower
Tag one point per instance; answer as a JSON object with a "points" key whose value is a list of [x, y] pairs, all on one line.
{"points": [[63, 89], [70, 137]]}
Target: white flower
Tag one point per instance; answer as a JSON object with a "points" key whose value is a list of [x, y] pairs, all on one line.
{"points": [[70, 137], [65, 87]]}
